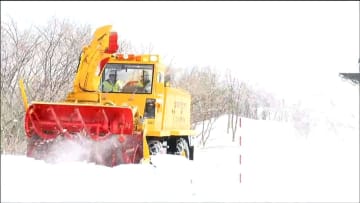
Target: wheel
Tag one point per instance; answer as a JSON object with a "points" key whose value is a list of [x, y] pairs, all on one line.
{"points": [[155, 147], [182, 148]]}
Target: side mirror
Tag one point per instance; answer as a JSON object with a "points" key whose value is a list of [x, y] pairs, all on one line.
{"points": [[167, 80]]}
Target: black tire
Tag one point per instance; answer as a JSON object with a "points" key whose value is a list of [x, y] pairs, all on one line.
{"points": [[154, 146], [182, 148]]}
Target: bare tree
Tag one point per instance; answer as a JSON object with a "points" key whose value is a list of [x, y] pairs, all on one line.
{"points": [[17, 51], [58, 56], [207, 104], [233, 100], [125, 46], [46, 58], [146, 49]]}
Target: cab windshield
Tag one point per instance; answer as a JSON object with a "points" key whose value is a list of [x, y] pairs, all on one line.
{"points": [[127, 78]]}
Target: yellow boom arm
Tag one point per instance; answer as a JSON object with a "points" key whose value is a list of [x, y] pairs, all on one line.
{"points": [[87, 77]]}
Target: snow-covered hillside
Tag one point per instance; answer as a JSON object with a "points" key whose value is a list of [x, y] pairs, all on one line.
{"points": [[276, 165]]}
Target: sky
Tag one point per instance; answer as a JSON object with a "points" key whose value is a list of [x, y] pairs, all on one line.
{"points": [[284, 47], [278, 164]]}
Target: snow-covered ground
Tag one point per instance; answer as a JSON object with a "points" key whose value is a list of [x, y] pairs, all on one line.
{"points": [[278, 164]]}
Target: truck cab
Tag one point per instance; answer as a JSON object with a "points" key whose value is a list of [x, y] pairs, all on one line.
{"points": [[139, 82]]}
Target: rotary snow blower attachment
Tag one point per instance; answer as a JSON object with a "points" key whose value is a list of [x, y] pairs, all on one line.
{"points": [[120, 110], [45, 123]]}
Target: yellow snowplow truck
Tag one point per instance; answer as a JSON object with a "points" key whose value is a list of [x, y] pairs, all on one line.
{"points": [[121, 99]]}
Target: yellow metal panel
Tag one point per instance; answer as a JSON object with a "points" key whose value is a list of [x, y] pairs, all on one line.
{"points": [[158, 133], [84, 97], [146, 153], [164, 133], [177, 109], [182, 132]]}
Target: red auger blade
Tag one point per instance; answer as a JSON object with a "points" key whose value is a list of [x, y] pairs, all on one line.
{"points": [[49, 120]]}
